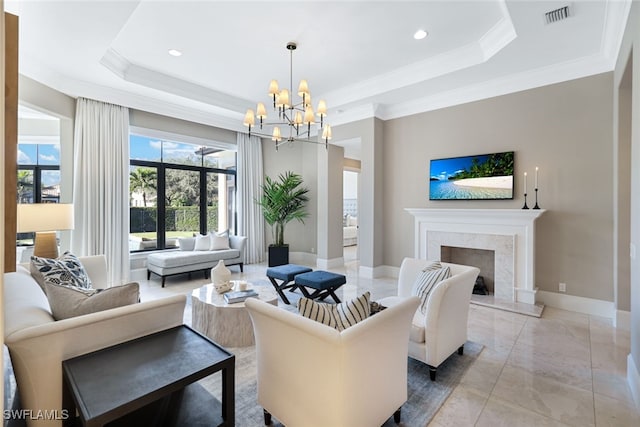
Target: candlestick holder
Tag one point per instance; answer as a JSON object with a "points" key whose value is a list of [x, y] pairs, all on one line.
{"points": [[536, 205], [525, 202]]}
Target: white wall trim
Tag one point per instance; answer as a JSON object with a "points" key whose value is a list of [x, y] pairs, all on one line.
{"points": [[633, 379], [623, 320], [578, 304], [325, 264], [304, 258], [375, 272]]}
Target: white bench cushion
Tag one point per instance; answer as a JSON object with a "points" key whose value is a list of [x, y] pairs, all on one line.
{"points": [[183, 258]]}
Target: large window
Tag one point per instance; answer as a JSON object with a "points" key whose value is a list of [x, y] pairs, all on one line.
{"points": [[178, 189], [38, 178]]}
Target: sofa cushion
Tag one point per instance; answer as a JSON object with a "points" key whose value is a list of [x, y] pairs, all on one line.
{"points": [[425, 282], [338, 316], [219, 241], [71, 301], [65, 269], [203, 243], [187, 243], [416, 334], [169, 259]]}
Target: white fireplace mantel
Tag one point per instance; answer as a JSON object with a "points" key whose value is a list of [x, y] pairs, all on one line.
{"points": [[458, 225]]}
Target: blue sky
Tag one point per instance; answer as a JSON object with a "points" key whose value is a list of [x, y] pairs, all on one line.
{"points": [[40, 154], [442, 169]]}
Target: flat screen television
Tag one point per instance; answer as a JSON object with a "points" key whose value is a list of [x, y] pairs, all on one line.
{"points": [[480, 177]]}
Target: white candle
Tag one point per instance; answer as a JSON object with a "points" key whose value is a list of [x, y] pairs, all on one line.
{"points": [[536, 177], [525, 183]]}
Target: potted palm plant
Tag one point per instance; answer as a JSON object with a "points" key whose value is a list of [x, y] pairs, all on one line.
{"points": [[283, 200]]}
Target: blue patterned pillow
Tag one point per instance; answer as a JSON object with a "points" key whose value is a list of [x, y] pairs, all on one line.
{"points": [[65, 270]]}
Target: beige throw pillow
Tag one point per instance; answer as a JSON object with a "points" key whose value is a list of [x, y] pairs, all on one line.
{"points": [[70, 301]]}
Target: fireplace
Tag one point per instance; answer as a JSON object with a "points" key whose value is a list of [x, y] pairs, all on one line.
{"points": [[508, 233], [482, 258]]}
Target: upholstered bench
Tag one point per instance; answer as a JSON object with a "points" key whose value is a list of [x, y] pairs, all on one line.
{"points": [[286, 273], [323, 283]]}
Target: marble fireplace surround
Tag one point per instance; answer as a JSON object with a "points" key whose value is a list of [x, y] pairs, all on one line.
{"points": [[510, 233]]}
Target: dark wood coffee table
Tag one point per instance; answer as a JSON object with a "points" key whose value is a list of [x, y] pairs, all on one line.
{"points": [[150, 381]]}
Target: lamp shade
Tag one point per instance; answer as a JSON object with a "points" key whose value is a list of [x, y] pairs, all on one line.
{"points": [[44, 217]]}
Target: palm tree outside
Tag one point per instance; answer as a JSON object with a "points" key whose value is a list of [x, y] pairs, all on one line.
{"points": [[143, 180]]}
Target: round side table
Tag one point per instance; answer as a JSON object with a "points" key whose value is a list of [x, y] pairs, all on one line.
{"points": [[227, 324]]}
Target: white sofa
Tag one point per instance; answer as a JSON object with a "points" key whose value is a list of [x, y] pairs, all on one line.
{"points": [[309, 374], [168, 263], [443, 330], [38, 344]]}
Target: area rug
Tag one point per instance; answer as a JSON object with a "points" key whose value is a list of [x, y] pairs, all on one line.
{"points": [[424, 396]]}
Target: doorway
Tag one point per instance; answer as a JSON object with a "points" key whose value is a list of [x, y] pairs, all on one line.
{"points": [[350, 216]]}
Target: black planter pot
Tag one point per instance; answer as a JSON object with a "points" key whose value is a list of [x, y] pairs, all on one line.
{"points": [[278, 255]]}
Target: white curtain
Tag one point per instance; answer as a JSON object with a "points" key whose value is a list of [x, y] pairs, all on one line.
{"points": [[249, 177], [101, 185]]}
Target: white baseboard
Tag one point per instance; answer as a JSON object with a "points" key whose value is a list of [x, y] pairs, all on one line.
{"points": [[324, 264], [375, 272], [304, 258], [623, 320], [584, 305], [633, 379]]}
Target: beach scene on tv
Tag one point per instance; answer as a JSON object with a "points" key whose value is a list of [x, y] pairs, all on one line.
{"points": [[487, 176]]}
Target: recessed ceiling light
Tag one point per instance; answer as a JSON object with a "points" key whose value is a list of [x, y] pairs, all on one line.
{"points": [[175, 52], [420, 34]]}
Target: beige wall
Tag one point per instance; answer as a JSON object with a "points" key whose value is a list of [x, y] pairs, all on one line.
{"points": [[300, 158], [330, 188], [565, 129], [629, 51], [148, 120]]}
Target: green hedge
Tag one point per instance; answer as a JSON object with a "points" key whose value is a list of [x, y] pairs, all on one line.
{"points": [[184, 218]]}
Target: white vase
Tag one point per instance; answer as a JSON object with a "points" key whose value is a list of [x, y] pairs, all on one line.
{"points": [[220, 274]]}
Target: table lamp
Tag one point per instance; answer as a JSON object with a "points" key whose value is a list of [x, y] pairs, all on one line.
{"points": [[45, 219]]}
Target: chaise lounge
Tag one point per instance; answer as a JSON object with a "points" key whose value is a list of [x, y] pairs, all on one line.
{"points": [[169, 263]]}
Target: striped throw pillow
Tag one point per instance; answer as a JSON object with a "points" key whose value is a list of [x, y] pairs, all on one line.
{"points": [[425, 282], [338, 316]]}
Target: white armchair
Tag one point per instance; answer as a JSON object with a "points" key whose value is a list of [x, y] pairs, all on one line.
{"points": [[437, 335], [309, 374]]}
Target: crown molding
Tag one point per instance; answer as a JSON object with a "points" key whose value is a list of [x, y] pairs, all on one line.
{"points": [[133, 73], [544, 76], [474, 53], [616, 16]]}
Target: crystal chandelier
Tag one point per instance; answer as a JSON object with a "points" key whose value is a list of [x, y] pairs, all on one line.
{"points": [[296, 116]]}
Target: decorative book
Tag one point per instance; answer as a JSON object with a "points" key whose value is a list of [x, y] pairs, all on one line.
{"points": [[239, 296]]}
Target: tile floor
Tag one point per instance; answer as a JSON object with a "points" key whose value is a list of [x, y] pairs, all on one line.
{"points": [[563, 369]]}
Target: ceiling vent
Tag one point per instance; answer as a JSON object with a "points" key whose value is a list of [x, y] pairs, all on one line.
{"points": [[556, 15]]}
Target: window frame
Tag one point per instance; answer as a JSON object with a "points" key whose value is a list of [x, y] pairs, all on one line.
{"points": [[161, 168]]}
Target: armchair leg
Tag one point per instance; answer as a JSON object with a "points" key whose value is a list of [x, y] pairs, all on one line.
{"points": [[267, 417], [461, 350], [432, 373], [396, 416]]}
